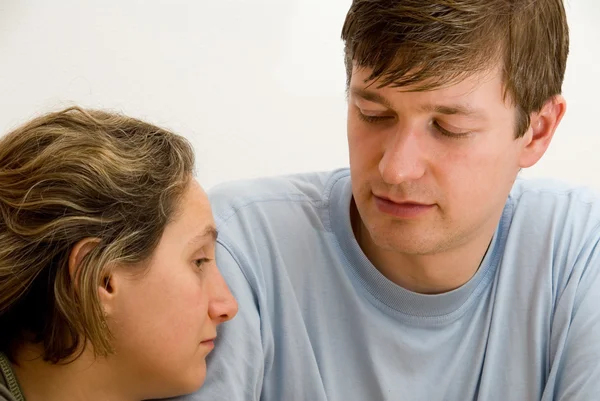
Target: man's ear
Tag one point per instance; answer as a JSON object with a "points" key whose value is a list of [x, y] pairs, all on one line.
{"points": [[542, 126]]}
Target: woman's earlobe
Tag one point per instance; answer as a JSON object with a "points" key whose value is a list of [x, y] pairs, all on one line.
{"points": [[112, 287], [107, 284]]}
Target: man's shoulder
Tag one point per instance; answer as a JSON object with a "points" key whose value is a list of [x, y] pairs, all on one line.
{"points": [[568, 213], [542, 193], [228, 199]]}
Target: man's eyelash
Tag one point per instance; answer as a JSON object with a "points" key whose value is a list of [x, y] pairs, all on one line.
{"points": [[373, 119], [450, 134], [445, 132]]}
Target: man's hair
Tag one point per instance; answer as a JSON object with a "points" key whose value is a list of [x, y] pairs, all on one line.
{"points": [[431, 44], [64, 177]]}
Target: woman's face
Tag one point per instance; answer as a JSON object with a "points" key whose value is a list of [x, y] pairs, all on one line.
{"points": [[164, 320]]}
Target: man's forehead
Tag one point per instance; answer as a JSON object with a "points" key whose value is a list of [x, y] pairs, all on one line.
{"points": [[468, 82], [459, 97]]}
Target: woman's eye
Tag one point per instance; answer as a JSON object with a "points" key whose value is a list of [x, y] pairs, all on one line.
{"points": [[200, 262]]}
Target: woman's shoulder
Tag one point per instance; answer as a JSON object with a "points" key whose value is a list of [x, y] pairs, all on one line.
{"points": [[5, 394], [7, 380]]}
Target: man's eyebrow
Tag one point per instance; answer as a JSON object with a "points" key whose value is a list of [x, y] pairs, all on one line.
{"points": [[370, 96], [453, 109], [209, 232]]}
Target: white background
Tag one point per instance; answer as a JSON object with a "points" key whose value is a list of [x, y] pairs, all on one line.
{"points": [[256, 85]]}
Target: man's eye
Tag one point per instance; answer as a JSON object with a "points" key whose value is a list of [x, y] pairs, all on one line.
{"points": [[448, 133], [373, 119]]}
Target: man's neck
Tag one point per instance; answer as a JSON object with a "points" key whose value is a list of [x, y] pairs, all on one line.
{"points": [[85, 378], [431, 273]]}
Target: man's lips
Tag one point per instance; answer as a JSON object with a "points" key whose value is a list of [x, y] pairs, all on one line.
{"points": [[402, 201], [401, 208]]}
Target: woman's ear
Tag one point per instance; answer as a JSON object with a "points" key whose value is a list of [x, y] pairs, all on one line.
{"points": [[106, 287], [78, 253], [108, 290], [542, 126]]}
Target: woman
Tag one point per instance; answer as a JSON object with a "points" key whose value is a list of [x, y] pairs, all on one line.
{"points": [[108, 285]]}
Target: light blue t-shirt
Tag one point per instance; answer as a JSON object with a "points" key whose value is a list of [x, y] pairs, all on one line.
{"points": [[317, 321]]}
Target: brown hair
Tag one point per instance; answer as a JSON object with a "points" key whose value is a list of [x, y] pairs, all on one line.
{"points": [[431, 43], [64, 177]]}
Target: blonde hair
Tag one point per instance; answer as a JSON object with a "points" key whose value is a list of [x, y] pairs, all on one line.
{"points": [[64, 177]]}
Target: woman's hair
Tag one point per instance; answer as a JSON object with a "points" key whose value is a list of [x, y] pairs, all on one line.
{"points": [[64, 177]]}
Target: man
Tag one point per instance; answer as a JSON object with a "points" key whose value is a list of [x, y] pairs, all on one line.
{"points": [[427, 271]]}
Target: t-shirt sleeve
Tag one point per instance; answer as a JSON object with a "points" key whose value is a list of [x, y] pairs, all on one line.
{"points": [[235, 368], [578, 370]]}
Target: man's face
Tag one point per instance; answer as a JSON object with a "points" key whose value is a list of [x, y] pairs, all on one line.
{"points": [[431, 170]]}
